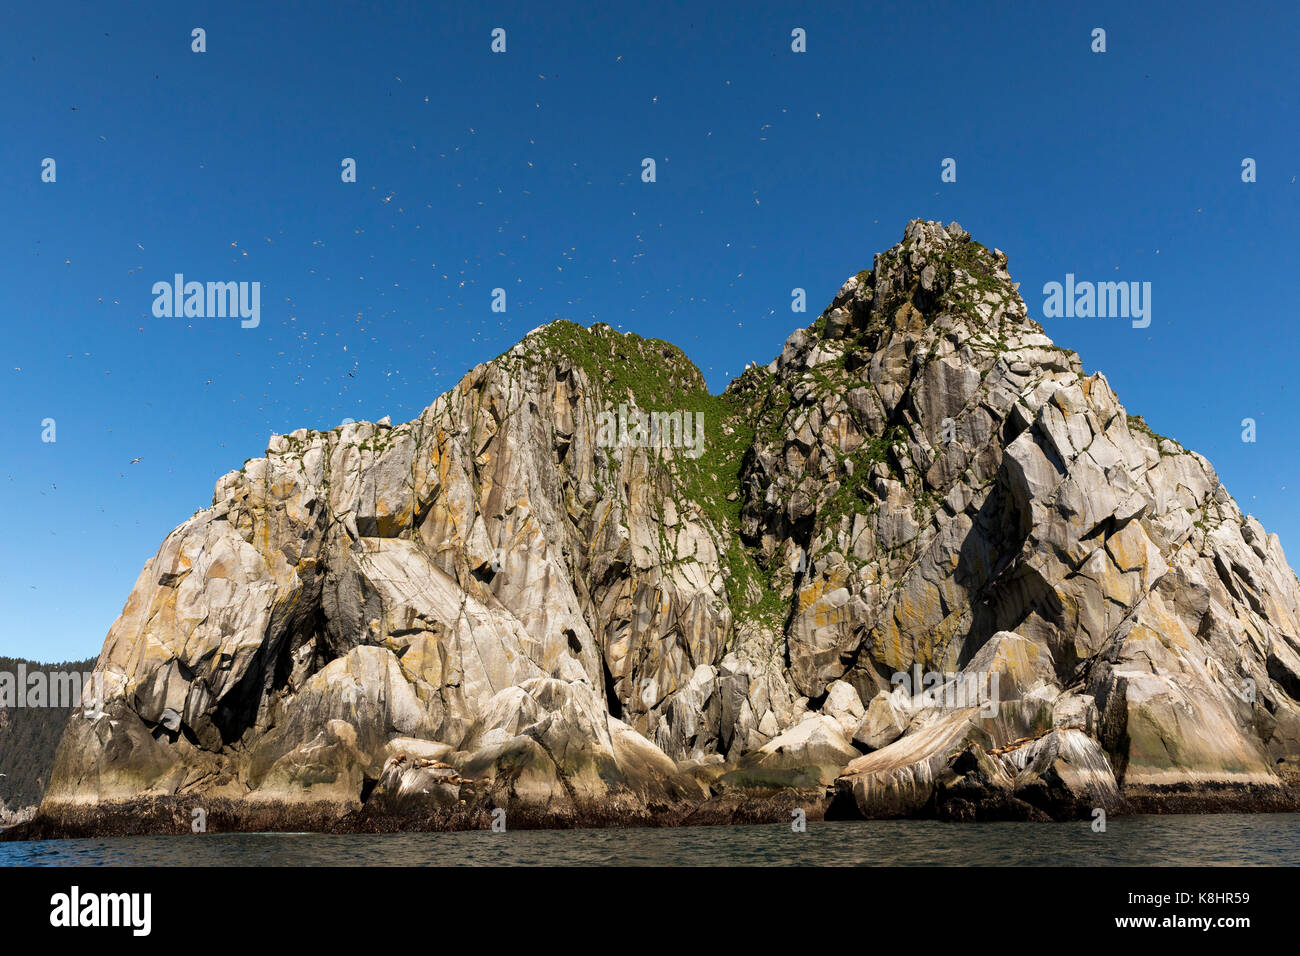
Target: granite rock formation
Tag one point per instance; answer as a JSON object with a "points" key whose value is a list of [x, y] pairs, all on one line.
{"points": [[925, 565]]}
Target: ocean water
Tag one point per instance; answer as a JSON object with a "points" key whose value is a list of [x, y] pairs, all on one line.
{"points": [[1207, 840]]}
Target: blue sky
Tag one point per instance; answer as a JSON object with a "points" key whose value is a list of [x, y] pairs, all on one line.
{"points": [[521, 170]]}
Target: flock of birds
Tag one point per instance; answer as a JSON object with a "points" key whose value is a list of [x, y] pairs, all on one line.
{"points": [[381, 355], [310, 359]]}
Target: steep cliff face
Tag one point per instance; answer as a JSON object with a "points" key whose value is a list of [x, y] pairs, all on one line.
{"points": [[524, 599]]}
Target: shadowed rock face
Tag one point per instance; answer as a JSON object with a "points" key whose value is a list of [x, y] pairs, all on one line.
{"points": [[503, 603]]}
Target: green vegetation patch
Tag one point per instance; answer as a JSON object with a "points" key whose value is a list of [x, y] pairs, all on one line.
{"points": [[657, 376]]}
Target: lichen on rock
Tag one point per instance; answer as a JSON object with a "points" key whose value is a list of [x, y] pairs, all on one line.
{"points": [[584, 630]]}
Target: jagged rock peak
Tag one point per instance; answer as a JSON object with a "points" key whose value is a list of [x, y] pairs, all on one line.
{"points": [[937, 283]]}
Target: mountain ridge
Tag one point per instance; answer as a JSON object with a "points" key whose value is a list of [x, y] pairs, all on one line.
{"points": [[922, 483]]}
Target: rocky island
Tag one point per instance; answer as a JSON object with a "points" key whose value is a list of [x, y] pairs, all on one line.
{"points": [[919, 565]]}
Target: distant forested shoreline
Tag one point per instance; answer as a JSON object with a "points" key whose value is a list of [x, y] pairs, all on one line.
{"points": [[29, 737]]}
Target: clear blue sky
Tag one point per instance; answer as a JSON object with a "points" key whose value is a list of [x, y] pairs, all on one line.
{"points": [[522, 170]]}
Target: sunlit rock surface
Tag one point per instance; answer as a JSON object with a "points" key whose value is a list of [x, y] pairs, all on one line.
{"points": [[504, 604]]}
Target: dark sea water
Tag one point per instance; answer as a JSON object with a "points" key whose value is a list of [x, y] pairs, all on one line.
{"points": [[1210, 840]]}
